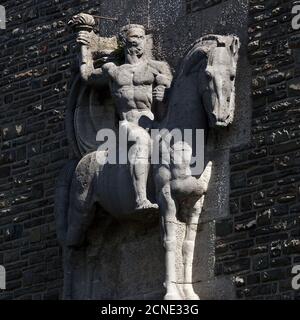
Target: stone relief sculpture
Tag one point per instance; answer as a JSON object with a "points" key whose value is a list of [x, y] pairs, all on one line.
{"points": [[123, 88]]}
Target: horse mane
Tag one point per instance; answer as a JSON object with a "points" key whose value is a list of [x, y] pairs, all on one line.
{"points": [[200, 50]]}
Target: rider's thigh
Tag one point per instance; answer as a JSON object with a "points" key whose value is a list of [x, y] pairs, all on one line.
{"points": [[138, 134]]}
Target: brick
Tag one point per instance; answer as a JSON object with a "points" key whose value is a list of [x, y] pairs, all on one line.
{"points": [[237, 266], [223, 228], [260, 263]]}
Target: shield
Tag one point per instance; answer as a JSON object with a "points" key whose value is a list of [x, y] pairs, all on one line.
{"points": [[89, 110]]}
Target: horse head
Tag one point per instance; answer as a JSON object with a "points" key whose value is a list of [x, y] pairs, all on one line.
{"points": [[214, 59]]}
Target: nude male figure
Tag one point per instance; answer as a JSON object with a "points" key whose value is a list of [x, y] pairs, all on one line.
{"points": [[135, 86]]}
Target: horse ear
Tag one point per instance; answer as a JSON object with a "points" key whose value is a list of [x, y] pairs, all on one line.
{"points": [[235, 45], [194, 59]]}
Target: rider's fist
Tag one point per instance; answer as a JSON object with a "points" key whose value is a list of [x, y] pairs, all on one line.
{"points": [[87, 38], [159, 93]]}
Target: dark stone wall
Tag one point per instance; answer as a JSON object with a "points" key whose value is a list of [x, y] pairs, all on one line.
{"points": [[197, 5], [260, 242], [36, 61]]}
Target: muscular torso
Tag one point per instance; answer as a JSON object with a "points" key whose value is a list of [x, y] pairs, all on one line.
{"points": [[131, 87]]}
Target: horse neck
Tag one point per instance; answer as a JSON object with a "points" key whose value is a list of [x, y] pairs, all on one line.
{"points": [[185, 109]]}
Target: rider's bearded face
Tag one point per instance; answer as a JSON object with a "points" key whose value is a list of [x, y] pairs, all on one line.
{"points": [[135, 42]]}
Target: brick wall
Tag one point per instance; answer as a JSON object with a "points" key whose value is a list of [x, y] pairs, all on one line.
{"points": [[260, 242], [36, 63], [196, 5]]}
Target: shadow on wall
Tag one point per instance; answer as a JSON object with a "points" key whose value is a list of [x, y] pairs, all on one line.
{"points": [[125, 262]]}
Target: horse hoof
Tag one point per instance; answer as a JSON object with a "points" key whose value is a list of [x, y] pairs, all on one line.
{"points": [[192, 297], [190, 294], [172, 296]]}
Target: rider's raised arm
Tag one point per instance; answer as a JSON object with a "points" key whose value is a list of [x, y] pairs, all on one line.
{"points": [[90, 74], [90, 43]]}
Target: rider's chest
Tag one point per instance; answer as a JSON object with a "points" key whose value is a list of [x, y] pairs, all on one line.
{"points": [[138, 75]]}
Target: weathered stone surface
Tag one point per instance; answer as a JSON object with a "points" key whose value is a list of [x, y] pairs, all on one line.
{"points": [[85, 175]]}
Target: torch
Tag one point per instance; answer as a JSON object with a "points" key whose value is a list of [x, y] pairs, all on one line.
{"points": [[83, 22]]}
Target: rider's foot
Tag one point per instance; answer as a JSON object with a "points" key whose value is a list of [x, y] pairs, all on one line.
{"points": [[146, 204]]}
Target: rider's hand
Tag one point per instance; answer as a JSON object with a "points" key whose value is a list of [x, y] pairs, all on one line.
{"points": [[159, 93], [87, 38]]}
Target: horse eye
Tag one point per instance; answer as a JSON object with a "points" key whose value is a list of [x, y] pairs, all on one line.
{"points": [[232, 78]]}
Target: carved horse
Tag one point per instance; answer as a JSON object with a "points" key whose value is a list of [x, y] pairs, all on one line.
{"points": [[202, 96]]}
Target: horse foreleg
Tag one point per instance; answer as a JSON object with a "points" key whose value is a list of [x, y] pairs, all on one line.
{"points": [[168, 217], [188, 248], [68, 275]]}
